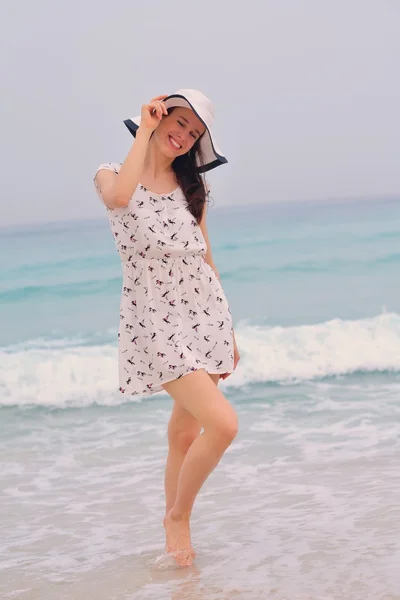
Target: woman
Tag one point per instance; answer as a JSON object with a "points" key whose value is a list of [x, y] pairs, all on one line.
{"points": [[175, 323]]}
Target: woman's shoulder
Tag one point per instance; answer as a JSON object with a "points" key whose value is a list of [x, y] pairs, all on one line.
{"points": [[110, 166], [102, 183]]}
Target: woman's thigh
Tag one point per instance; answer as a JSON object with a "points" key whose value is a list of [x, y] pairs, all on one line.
{"points": [[198, 394], [182, 421]]}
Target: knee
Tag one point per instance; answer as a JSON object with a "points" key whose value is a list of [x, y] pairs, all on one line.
{"points": [[180, 440], [227, 430]]}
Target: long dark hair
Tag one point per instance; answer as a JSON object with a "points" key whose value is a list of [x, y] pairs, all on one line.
{"points": [[190, 180]]}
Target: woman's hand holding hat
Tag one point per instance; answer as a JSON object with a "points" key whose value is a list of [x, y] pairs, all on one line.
{"points": [[152, 113]]}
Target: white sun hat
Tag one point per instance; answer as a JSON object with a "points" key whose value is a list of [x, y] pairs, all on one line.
{"points": [[204, 110]]}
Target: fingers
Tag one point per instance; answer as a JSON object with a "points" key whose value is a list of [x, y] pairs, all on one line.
{"points": [[157, 107], [163, 108], [158, 100]]}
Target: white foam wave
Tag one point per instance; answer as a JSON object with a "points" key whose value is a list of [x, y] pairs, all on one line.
{"points": [[336, 347], [56, 375]]}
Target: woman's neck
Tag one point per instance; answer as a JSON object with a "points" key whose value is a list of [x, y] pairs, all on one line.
{"points": [[157, 166]]}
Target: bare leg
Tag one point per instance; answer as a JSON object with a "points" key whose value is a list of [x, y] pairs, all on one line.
{"points": [[199, 395], [183, 429]]}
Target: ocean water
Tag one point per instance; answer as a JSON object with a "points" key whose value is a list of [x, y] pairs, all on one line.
{"points": [[305, 505]]}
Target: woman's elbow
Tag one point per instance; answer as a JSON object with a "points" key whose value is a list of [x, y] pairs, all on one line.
{"points": [[109, 191], [120, 200]]}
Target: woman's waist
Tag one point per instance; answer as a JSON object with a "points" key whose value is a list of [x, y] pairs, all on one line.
{"points": [[165, 258]]}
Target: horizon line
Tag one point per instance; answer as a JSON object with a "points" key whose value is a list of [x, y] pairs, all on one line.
{"points": [[254, 205]]}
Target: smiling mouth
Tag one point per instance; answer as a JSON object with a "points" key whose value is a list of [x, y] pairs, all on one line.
{"points": [[173, 143]]}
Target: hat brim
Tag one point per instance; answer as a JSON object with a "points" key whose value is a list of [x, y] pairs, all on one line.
{"points": [[211, 155]]}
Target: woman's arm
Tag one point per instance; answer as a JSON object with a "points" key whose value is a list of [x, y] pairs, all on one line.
{"points": [[117, 190], [208, 257]]}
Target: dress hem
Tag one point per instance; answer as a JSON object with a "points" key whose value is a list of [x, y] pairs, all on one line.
{"points": [[161, 383]]}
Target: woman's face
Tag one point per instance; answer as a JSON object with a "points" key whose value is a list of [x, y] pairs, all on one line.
{"points": [[178, 131]]}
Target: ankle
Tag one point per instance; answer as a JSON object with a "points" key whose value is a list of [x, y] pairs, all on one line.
{"points": [[178, 515]]}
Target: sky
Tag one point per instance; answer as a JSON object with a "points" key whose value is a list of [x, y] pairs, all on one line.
{"points": [[306, 94]]}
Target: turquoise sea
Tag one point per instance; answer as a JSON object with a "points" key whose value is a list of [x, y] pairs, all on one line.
{"points": [[305, 505]]}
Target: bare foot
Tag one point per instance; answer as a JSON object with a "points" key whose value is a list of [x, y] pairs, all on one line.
{"points": [[178, 542]]}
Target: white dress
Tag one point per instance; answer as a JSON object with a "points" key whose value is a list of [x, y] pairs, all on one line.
{"points": [[174, 315]]}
